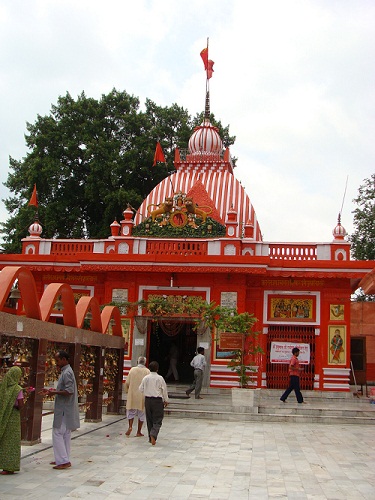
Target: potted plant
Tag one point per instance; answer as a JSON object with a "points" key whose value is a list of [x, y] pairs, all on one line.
{"points": [[242, 362]]}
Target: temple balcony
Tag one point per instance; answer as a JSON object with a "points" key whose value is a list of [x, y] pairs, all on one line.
{"points": [[235, 247]]}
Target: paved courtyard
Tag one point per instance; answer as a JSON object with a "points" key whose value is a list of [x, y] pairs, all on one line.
{"points": [[202, 459]]}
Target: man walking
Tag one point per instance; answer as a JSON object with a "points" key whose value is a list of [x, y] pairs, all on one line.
{"points": [[294, 373], [199, 364], [66, 413], [135, 402], [154, 388]]}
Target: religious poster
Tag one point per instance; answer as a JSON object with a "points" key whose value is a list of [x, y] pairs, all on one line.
{"points": [[281, 352], [119, 296], [229, 300], [296, 308], [337, 344], [336, 312]]}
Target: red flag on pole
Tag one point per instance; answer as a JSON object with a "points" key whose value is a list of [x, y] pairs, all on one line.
{"points": [[208, 64], [204, 56], [159, 155], [34, 198], [210, 68]]}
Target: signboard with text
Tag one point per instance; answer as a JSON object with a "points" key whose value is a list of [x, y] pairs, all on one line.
{"points": [[281, 352]]}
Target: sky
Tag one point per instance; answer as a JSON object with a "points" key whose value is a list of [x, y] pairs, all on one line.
{"points": [[294, 80]]}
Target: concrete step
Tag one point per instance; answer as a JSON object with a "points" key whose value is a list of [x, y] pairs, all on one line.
{"points": [[322, 407], [267, 414]]}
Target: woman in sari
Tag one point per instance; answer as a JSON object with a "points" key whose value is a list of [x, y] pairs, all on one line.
{"points": [[11, 401]]}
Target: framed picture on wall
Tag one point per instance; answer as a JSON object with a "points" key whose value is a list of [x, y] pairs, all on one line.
{"points": [[336, 312], [291, 308], [337, 345]]}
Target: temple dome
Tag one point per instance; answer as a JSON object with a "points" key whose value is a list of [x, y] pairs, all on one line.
{"points": [[205, 139]]}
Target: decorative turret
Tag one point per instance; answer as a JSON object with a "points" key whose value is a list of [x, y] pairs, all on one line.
{"points": [[249, 229], [232, 222], [340, 249], [115, 228], [127, 223], [35, 229]]}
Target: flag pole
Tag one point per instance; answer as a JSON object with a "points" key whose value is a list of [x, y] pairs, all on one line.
{"points": [[207, 98]]}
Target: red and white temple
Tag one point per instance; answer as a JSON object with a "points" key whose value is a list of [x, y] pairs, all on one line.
{"points": [[197, 235]]}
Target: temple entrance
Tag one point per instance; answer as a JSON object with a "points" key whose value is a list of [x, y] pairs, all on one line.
{"points": [[278, 374], [173, 344]]}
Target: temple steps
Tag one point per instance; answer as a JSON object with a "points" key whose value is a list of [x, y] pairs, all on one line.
{"points": [[320, 407]]}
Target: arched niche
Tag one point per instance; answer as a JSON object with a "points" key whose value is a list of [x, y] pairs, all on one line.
{"points": [[84, 305], [52, 292], [109, 313], [26, 286]]}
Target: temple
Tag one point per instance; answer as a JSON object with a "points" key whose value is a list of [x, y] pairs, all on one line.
{"points": [[197, 235]]}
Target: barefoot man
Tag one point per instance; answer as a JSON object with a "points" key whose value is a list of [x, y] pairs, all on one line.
{"points": [[135, 403]]}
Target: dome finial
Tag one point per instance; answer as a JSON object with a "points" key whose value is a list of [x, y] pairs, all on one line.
{"points": [[339, 231], [35, 229]]}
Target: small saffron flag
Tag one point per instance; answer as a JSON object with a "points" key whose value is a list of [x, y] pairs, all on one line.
{"points": [[159, 155], [208, 64], [34, 198]]}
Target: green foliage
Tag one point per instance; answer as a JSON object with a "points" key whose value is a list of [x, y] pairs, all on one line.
{"points": [[208, 229], [89, 158], [241, 362], [363, 238], [176, 305]]}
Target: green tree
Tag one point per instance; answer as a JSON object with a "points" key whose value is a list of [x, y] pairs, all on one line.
{"points": [[363, 237], [90, 158]]}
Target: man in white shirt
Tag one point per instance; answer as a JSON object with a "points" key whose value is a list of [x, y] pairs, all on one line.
{"points": [[199, 364], [154, 388]]}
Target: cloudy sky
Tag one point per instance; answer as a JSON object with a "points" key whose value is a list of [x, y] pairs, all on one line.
{"points": [[294, 79]]}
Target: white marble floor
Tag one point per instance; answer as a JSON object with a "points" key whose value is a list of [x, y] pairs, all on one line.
{"points": [[203, 459]]}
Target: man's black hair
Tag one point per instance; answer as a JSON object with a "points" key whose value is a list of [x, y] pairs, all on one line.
{"points": [[153, 366], [63, 354], [200, 350], [295, 350]]}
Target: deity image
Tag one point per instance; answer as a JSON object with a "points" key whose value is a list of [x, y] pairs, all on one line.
{"points": [[297, 309], [336, 347]]}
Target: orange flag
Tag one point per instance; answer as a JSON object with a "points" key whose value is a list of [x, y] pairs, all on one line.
{"points": [[34, 198], [208, 64], [159, 155]]}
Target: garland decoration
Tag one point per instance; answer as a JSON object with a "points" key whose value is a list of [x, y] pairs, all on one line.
{"points": [[169, 229]]}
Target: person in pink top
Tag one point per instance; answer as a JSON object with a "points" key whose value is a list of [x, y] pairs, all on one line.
{"points": [[294, 373]]}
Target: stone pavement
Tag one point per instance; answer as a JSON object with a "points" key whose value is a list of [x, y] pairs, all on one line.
{"points": [[202, 459]]}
